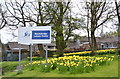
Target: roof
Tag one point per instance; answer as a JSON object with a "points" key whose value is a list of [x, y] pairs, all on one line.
{"points": [[101, 39], [73, 44], [109, 39], [15, 46], [85, 39]]}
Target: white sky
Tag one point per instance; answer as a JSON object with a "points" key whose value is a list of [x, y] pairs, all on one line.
{"points": [[6, 35]]}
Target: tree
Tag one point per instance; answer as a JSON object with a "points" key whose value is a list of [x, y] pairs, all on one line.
{"points": [[21, 13], [110, 34], [64, 24], [43, 17], [56, 14], [118, 15], [61, 9], [98, 14]]}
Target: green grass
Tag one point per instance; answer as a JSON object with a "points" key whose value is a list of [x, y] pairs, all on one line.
{"points": [[119, 68], [8, 66], [101, 71]]}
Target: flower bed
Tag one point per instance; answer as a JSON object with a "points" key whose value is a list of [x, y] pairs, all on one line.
{"points": [[73, 64], [87, 53], [35, 58]]}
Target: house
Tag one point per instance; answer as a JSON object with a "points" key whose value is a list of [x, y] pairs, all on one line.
{"points": [[12, 50], [103, 43], [109, 42]]}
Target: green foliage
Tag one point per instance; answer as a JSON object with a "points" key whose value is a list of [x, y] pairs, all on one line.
{"points": [[32, 67], [71, 64], [105, 53], [110, 34], [80, 68], [53, 66], [62, 69], [101, 71], [74, 64], [9, 66], [19, 72], [76, 70], [45, 68], [96, 53], [72, 70], [86, 54], [35, 58]]}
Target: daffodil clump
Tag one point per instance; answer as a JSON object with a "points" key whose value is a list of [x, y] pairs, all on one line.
{"points": [[99, 52], [73, 64], [35, 58]]}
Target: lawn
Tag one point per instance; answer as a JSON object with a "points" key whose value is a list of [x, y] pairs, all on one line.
{"points": [[101, 71]]}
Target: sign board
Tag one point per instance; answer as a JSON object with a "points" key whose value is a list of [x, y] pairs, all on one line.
{"points": [[34, 35], [41, 35], [45, 34], [24, 35]]}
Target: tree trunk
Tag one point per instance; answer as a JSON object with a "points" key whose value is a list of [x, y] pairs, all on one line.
{"points": [[88, 29], [93, 43], [1, 57], [89, 40], [4, 54], [117, 10], [41, 49], [60, 44], [93, 24]]}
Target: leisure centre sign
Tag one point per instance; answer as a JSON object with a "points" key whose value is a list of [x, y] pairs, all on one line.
{"points": [[34, 35]]}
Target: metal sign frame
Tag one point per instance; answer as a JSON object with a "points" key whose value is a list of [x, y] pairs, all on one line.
{"points": [[42, 36]]}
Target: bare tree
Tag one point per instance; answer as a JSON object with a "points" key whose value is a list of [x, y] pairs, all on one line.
{"points": [[26, 13], [98, 14], [56, 14], [118, 15]]}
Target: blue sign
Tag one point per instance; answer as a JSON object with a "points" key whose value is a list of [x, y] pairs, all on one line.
{"points": [[41, 34]]}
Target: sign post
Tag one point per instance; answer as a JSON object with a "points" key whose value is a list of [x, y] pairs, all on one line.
{"points": [[19, 66], [35, 35], [46, 54], [31, 54]]}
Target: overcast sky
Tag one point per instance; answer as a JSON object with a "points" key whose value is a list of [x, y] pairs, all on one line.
{"points": [[6, 34]]}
